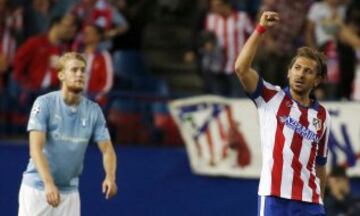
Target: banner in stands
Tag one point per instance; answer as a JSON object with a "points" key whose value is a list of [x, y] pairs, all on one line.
{"points": [[222, 135]]}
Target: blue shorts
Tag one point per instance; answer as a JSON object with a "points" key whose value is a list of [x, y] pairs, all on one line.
{"points": [[276, 206]]}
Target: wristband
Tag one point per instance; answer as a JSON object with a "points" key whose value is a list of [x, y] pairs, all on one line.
{"points": [[260, 29]]}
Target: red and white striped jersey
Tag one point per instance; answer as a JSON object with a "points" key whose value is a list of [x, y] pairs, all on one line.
{"points": [[293, 141], [13, 25], [231, 33]]}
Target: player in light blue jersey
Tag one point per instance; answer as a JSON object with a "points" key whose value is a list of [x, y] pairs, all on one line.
{"points": [[61, 125]]}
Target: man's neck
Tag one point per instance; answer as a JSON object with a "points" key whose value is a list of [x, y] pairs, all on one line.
{"points": [[303, 99], [71, 98]]}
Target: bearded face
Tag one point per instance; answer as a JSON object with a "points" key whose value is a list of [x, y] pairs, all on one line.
{"points": [[73, 75]]}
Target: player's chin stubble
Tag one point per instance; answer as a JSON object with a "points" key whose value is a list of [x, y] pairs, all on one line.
{"points": [[75, 90]]}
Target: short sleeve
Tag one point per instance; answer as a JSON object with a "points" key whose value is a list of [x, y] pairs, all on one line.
{"points": [[264, 92], [101, 132], [39, 116], [322, 151]]}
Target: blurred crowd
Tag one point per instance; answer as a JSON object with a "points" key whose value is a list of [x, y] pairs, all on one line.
{"points": [[33, 34], [331, 26]]}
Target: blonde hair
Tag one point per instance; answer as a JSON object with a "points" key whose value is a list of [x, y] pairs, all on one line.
{"points": [[69, 56]]}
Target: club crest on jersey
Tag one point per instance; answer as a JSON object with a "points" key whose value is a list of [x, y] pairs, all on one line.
{"points": [[317, 124], [289, 104]]}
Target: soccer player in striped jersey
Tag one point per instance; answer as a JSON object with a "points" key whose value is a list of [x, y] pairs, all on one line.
{"points": [[61, 125], [294, 129]]}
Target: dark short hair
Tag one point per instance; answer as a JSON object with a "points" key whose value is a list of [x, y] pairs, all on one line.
{"points": [[338, 171], [315, 55]]}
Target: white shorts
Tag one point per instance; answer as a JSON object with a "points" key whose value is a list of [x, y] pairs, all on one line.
{"points": [[32, 202]]}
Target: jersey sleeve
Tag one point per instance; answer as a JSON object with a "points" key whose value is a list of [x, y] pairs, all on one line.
{"points": [[322, 151], [263, 93], [39, 116], [101, 132]]}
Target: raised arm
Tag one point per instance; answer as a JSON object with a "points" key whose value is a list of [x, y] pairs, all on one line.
{"points": [[248, 76], [37, 142], [109, 187]]}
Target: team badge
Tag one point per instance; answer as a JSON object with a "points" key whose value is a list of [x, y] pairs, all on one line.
{"points": [[289, 104], [317, 124]]}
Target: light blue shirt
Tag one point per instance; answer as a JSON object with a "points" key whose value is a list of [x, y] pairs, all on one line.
{"points": [[68, 133]]}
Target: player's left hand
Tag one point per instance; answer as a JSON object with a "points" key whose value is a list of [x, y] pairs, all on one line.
{"points": [[109, 188]]}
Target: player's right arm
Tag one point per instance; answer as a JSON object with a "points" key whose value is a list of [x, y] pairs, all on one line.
{"points": [[37, 141], [38, 128], [248, 77]]}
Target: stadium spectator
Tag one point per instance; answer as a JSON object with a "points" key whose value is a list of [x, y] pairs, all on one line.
{"points": [[93, 11], [338, 199], [325, 20], [10, 27], [99, 70], [102, 14], [36, 59], [10, 31], [231, 29], [349, 53], [61, 125]]}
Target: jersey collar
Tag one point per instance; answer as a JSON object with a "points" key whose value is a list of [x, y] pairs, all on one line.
{"points": [[314, 102]]}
